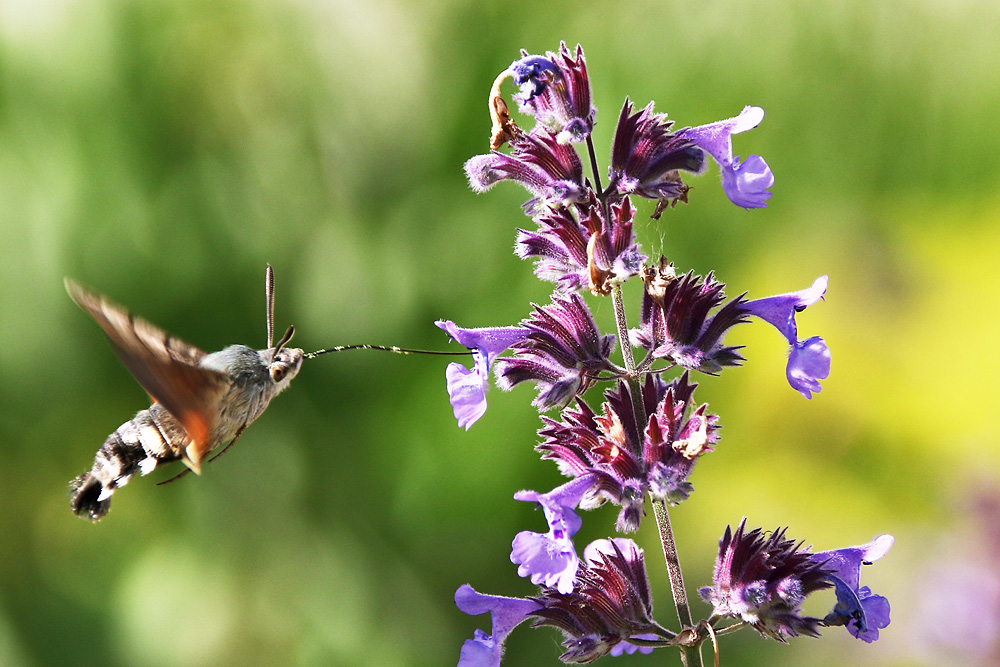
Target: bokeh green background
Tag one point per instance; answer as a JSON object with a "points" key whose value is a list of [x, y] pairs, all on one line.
{"points": [[165, 151]]}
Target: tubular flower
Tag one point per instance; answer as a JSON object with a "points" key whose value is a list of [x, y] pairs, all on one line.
{"points": [[584, 250], [628, 463], [467, 387], [550, 171], [675, 321], [550, 559], [555, 89], [763, 582], [808, 360], [610, 605], [862, 612], [507, 613], [646, 156], [745, 183], [562, 352]]}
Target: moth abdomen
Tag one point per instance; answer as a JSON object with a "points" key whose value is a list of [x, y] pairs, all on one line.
{"points": [[85, 497], [152, 437]]}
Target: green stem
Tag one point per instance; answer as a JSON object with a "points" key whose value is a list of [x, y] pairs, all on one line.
{"points": [[690, 655]]}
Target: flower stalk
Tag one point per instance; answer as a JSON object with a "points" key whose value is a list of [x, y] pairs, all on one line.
{"points": [[690, 655]]}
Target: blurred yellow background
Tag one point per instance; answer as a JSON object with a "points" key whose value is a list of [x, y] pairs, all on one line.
{"points": [[165, 151]]}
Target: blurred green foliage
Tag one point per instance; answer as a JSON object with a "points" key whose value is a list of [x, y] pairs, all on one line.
{"points": [[165, 151]]}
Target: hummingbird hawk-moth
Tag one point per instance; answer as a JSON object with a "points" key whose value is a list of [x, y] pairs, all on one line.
{"points": [[200, 400]]}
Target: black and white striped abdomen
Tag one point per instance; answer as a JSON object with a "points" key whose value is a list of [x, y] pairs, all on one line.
{"points": [[152, 437]]}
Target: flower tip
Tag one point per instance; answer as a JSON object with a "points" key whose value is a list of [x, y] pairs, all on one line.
{"points": [[878, 547], [820, 285], [748, 119], [469, 601]]}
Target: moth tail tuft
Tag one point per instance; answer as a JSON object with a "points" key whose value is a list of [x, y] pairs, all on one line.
{"points": [[87, 497]]}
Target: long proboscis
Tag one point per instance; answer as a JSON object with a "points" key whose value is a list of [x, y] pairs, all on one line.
{"points": [[382, 348]]}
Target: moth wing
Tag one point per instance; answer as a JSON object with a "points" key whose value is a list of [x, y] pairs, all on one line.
{"points": [[165, 366]]}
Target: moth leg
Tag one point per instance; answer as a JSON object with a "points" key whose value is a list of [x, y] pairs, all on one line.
{"points": [[224, 450]]}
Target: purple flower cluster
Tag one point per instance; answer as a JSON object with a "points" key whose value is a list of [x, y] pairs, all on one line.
{"points": [[763, 581], [641, 443], [626, 457]]}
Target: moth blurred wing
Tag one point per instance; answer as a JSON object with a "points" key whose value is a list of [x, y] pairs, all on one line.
{"points": [[165, 366]]}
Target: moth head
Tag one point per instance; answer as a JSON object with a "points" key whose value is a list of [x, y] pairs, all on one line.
{"points": [[285, 361], [285, 365]]}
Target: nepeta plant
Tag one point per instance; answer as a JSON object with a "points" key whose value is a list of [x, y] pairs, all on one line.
{"points": [[641, 444]]}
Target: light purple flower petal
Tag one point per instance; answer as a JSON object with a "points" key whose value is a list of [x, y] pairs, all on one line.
{"points": [[507, 613], [744, 183], [551, 559], [480, 651], [467, 387], [861, 612], [808, 363], [467, 391], [627, 648], [780, 309]]}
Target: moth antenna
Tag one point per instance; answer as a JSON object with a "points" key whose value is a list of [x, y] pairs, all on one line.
{"points": [[289, 332], [382, 348], [269, 297]]}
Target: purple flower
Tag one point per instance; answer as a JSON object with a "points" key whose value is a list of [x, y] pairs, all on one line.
{"points": [[647, 155], [763, 582], [627, 459], [745, 183], [550, 559], [610, 605], [808, 360], [555, 89], [562, 353], [467, 387], [550, 171], [582, 248], [677, 324], [507, 613], [863, 613]]}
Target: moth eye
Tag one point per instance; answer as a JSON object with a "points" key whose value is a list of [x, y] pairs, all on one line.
{"points": [[278, 373]]}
